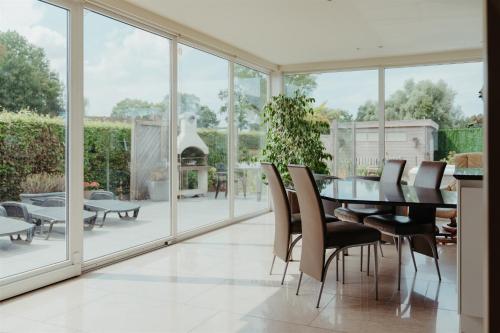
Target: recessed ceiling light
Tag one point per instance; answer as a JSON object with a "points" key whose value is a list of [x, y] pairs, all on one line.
{"points": [[380, 46]]}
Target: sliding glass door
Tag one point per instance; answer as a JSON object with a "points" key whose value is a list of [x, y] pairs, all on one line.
{"points": [[126, 136], [202, 142], [250, 96], [33, 132]]}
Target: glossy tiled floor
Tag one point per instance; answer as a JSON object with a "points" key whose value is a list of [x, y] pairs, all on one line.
{"points": [[220, 282]]}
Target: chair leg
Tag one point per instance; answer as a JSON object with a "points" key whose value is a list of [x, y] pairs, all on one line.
{"points": [[376, 269], [325, 272], [434, 253], [412, 254], [368, 262], [337, 268], [284, 273], [361, 260], [399, 260], [381, 251], [300, 281], [272, 265], [343, 267]]}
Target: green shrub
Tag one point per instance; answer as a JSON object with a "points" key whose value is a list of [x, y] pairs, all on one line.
{"points": [[459, 140], [32, 144]]}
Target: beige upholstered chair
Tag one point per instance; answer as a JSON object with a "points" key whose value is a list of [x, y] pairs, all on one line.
{"points": [[463, 160], [429, 175], [286, 224], [318, 236]]}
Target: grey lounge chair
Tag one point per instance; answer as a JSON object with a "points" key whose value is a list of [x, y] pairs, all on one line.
{"points": [[105, 201], [102, 195], [19, 211]]}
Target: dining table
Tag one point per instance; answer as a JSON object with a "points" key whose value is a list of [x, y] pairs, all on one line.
{"points": [[421, 202]]}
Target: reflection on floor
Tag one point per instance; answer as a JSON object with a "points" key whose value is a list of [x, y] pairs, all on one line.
{"points": [[220, 282], [153, 223]]}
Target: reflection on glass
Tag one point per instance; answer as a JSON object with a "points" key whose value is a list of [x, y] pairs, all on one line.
{"points": [[202, 140], [348, 101], [250, 89], [432, 113], [33, 113], [126, 136]]}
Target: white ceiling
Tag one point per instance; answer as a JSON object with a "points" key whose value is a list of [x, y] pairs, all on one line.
{"points": [[302, 31]]}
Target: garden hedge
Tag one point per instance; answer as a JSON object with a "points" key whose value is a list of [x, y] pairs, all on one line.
{"points": [[31, 144], [459, 140]]}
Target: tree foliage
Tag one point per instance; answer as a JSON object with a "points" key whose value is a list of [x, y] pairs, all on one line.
{"points": [[26, 81], [293, 136], [136, 108], [304, 83], [422, 100]]}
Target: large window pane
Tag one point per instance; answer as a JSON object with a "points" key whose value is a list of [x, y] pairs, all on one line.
{"points": [[33, 113], [348, 101], [432, 113], [250, 95], [126, 134], [202, 142]]}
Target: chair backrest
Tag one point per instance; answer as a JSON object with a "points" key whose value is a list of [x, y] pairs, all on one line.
{"points": [[102, 195], [282, 214], [393, 171], [430, 174], [3, 212], [313, 221], [54, 202], [17, 210]]}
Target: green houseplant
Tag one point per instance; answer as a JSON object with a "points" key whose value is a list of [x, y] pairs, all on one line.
{"points": [[293, 135]]}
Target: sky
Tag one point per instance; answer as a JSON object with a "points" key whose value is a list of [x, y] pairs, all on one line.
{"points": [[122, 61]]}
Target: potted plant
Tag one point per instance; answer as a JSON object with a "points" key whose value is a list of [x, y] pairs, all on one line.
{"points": [[293, 135], [158, 185]]}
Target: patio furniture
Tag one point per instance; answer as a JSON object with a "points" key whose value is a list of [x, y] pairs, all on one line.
{"points": [[38, 198], [102, 195], [54, 214], [318, 236], [18, 211], [122, 208], [286, 224], [12, 227]]}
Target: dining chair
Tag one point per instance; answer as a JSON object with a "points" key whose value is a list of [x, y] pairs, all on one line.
{"points": [[391, 174], [420, 222], [286, 224], [319, 236]]}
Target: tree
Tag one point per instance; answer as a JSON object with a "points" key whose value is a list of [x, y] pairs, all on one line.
{"points": [[26, 81], [424, 100], [304, 83], [367, 112], [324, 113], [207, 118], [136, 108]]}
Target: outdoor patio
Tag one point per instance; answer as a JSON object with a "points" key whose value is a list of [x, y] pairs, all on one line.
{"points": [[152, 223]]}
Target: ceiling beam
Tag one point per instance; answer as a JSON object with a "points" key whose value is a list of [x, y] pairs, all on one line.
{"points": [[391, 61]]}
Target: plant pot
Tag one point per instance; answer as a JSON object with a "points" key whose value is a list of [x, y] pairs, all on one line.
{"points": [[159, 190]]}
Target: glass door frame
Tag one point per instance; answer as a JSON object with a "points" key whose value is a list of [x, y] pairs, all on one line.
{"points": [[72, 266]]}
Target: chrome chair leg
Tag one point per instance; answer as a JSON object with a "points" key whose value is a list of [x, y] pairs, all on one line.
{"points": [[284, 273], [412, 254], [272, 265], [381, 251], [337, 268], [361, 260], [368, 262], [343, 267], [300, 281], [430, 239], [376, 269], [325, 272], [400, 243]]}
